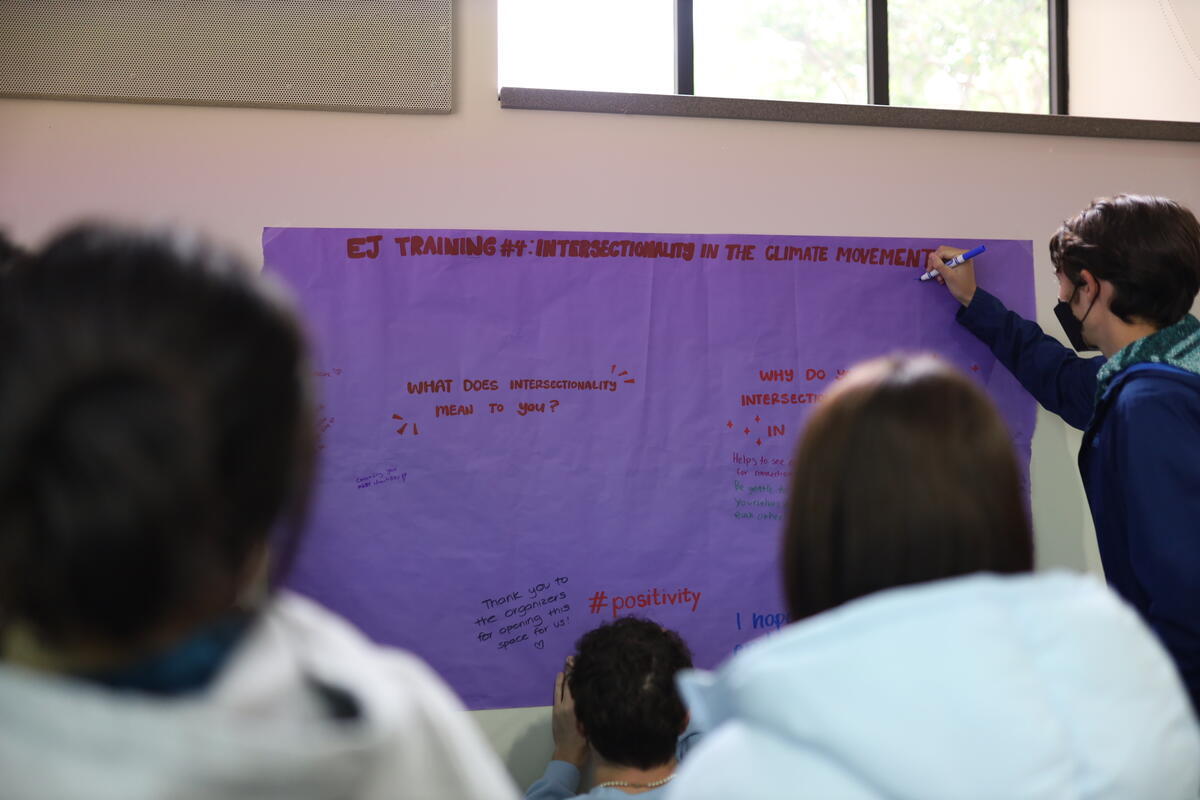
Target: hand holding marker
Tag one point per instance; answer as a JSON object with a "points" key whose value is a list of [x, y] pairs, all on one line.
{"points": [[954, 262]]}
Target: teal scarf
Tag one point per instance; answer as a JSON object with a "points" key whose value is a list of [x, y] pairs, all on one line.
{"points": [[1177, 345], [188, 666]]}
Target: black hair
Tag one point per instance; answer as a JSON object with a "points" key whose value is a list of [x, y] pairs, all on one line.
{"points": [[623, 682], [905, 473], [155, 424], [1148, 248], [10, 253]]}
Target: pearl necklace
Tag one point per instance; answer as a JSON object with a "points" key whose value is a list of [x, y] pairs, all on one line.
{"points": [[628, 785]]}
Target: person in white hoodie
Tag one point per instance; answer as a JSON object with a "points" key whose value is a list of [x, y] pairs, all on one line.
{"points": [[156, 442], [924, 659]]}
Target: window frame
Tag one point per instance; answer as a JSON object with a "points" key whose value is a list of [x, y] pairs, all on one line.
{"points": [[878, 71], [877, 112]]}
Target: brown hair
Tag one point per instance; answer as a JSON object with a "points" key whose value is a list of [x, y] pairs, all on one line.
{"points": [[904, 474], [1148, 248]]}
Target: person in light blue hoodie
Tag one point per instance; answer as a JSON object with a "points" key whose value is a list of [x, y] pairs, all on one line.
{"points": [[926, 660]]}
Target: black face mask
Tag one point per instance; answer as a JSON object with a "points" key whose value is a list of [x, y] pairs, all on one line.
{"points": [[1073, 327]]}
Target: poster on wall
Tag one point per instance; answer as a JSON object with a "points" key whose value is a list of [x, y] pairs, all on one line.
{"points": [[524, 434]]}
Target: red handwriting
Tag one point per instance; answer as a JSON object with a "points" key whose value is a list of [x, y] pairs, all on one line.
{"points": [[404, 427], [363, 246], [780, 398], [789, 375], [584, 385], [442, 385], [369, 246], [896, 257], [446, 245], [622, 374], [532, 408], [645, 598], [436, 385], [454, 411], [358, 247], [523, 408], [775, 252], [609, 248], [739, 252]]}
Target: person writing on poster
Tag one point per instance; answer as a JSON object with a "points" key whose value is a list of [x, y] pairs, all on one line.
{"points": [[1128, 270]]}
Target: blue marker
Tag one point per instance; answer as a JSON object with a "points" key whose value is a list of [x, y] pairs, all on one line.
{"points": [[954, 262]]}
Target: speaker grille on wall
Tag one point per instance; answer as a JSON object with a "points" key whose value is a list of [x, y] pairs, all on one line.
{"points": [[348, 55]]}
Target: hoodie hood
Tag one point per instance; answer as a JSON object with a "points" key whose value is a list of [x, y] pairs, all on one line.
{"points": [[1025, 686], [265, 729]]}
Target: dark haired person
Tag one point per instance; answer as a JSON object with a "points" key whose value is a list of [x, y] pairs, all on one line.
{"points": [[1128, 270], [925, 659], [10, 253], [156, 439], [617, 703]]}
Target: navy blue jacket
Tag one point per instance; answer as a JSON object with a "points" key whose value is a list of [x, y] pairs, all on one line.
{"points": [[1140, 464]]}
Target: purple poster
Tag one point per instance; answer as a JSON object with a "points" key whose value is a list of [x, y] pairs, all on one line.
{"points": [[526, 433]]}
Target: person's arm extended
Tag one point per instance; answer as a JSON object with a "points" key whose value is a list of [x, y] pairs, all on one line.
{"points": [[1061, 381]]}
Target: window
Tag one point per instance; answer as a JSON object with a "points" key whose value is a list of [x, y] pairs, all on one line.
{"points": [[780, 50], [606, 46], [982, 55], [978, 56]]}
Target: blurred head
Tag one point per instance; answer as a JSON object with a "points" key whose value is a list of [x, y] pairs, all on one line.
{"points": [[1148, 248], [905, 473], [10, 253], [155, 424], [623, 682]]}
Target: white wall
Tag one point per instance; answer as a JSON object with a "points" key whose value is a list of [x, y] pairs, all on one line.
{"points": [[233, 171], [1138, 59]]}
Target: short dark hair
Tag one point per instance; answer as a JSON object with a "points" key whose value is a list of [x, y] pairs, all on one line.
{"points": [[155, 423], [1148, 248], [623, 682], [10, 253], [905, 473]]}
